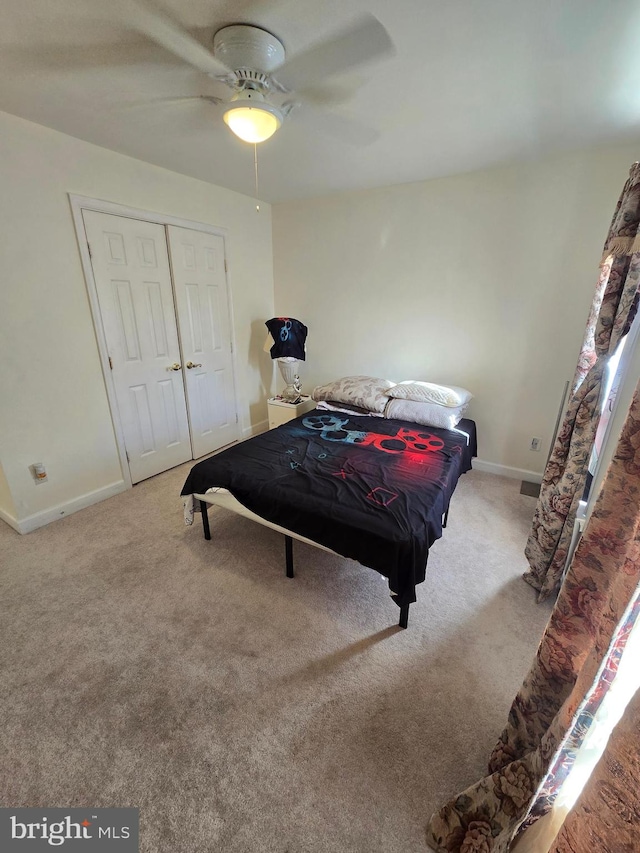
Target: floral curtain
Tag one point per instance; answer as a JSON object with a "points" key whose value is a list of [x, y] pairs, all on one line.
{"points": [[606, 816], [577, 654], [565, 755], [612, 312]]}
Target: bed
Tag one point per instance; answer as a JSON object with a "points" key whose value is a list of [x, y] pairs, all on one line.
{"points": [[376, 491]]}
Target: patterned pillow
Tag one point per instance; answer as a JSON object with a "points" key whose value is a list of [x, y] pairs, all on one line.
{"points": [[347, 409], [367, 392], [428, 392]]}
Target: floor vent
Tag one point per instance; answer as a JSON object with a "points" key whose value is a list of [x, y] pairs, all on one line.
{"points": [[530, 489]]}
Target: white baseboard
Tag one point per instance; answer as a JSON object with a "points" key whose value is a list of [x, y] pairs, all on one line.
{"points": [[11, 521], [506, 471], [255, 429], [46, 516]]}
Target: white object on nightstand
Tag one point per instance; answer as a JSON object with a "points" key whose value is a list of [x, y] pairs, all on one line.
{"points": [[280, 411]]}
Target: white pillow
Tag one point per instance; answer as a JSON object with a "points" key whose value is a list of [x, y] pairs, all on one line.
{"points": [[428, 392], [426, 414]]}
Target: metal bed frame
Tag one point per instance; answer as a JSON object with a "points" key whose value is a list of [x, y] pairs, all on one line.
{"points": [[289, 536]]}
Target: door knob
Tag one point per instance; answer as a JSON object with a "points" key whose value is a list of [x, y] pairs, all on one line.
{"points": [[190, 364], [175, 366]]}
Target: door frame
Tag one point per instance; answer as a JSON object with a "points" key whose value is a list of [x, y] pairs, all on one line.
{"points": [[78, 204]]}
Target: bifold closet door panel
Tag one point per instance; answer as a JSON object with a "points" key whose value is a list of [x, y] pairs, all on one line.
{"points": [[133, 280], [200, 285]]}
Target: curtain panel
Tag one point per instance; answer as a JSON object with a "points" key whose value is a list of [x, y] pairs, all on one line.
{"points": [[612, 312], [606, 815], [573, 666]]}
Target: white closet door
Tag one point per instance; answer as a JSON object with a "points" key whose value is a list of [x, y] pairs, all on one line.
{"points": [[197, 262], [133, 280]]}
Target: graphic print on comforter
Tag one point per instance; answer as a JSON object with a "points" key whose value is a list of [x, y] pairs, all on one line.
{"points": [[412, 447], [375, 492]]}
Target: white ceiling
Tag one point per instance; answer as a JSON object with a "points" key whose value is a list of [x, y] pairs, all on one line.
{"points": [[472, 83]]}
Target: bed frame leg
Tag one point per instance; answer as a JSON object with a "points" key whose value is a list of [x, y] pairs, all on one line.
{"points": [[288, 554], [204, 506], [404, 615]]}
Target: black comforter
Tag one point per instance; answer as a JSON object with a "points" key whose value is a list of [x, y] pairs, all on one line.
{"points": [[371, 489]]}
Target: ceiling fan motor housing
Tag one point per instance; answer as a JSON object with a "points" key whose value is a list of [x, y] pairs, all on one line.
{"points": [[246, 49], [247, 79]]}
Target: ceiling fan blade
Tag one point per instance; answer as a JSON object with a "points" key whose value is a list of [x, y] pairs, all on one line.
{"points": [[152, 21], [363, 41], [171, 100], [345, 129], [331, 94], [71, 58]]}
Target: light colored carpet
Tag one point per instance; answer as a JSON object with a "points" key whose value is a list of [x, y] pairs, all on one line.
{"points": [[244, 712]]}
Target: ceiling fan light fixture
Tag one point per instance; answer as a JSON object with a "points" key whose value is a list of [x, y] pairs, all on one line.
{"points": [[251, 118]]}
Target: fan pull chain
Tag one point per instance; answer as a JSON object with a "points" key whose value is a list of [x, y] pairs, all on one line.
{"points": [[255, 165]]}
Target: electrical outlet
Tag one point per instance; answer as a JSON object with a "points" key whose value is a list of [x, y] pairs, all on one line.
{"points": [[38, 472], [535, 444]]}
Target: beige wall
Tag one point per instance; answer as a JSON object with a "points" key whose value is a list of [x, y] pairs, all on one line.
{"points": [[482, 280], [7, 509], [53, 404]]}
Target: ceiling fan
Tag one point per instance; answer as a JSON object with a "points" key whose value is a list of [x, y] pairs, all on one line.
{"points": [[252, 62]]}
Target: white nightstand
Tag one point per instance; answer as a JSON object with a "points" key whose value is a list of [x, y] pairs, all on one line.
{"points": [[281, 412]]}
